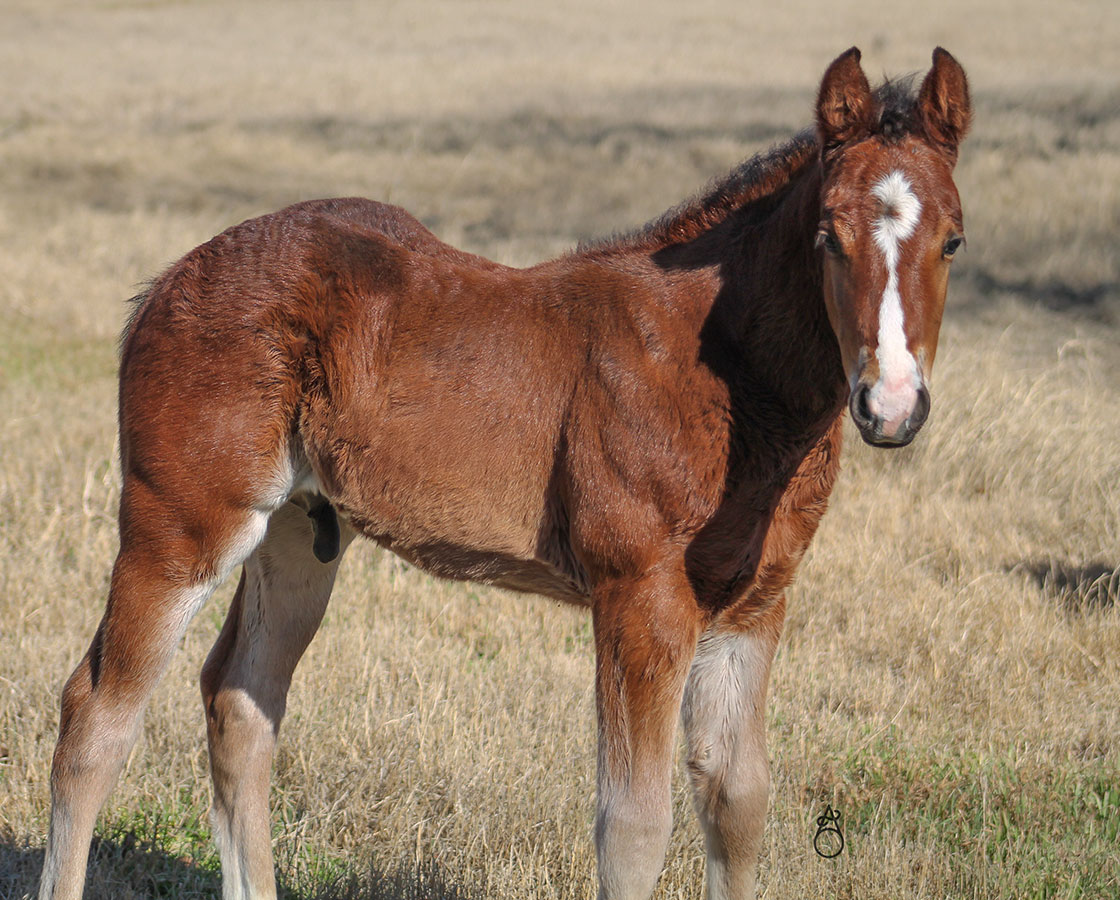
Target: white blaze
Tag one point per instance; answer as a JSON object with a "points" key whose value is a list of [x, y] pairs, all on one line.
{"points": [[894, 395]]}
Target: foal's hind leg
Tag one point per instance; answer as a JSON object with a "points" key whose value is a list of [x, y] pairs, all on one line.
{"points": [[724, 720], [277, 609], [645, 636], [169, 562]]}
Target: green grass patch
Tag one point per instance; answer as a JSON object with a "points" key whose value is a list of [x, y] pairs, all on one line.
{"points": [[157, 851], [168, 850], [1016, 828]]}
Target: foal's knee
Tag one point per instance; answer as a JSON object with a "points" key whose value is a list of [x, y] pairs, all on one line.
{"points": [[729, 789], [622, 821]]}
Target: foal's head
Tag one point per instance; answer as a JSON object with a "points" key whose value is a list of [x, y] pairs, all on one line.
{"points": [[890, 223]]}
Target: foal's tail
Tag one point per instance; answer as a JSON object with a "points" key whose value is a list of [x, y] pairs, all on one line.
{"points": [[136, 304]]}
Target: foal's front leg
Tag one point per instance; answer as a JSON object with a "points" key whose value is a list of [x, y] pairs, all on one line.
{"points": [[645, 636], [724, 721]]}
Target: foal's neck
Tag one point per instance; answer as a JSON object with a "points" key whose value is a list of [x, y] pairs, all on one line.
{"points": [[766, 330], [782, 323]]}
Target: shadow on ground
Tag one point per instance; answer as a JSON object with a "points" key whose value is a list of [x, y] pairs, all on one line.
{"points": [[426, 882], [127, 869], [1097, 300], [123, 868], [1077, 587]]}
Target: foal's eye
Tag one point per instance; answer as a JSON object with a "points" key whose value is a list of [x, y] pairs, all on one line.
{"points": [[828, 240], [952, 245]]}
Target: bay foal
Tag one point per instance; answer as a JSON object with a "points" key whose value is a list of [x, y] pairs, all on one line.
{"points": [[649, 426]]}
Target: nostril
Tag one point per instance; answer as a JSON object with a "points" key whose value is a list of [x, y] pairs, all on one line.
{"points": [[921, 409], [861, 411]]}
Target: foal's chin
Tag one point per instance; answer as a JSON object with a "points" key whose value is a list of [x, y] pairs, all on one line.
{"points": [[873, 433], [884, 442]]}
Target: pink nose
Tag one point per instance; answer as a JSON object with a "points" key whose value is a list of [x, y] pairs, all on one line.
{"points": [[893, 403], [889, 418]]}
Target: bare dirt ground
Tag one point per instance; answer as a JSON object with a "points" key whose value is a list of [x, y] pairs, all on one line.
{"points": [[950, 673]]}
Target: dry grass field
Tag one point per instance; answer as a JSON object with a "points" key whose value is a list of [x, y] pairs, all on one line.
{"points": [[949, 677]]}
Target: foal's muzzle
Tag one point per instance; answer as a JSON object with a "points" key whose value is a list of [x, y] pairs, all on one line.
{"points": [[881, 428]]}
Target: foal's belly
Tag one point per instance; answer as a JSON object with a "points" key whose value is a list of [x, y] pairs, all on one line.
{"points": [[455, 483], [453, 532]]}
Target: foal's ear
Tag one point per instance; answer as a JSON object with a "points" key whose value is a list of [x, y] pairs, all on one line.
{"points": [[944, 107], [845, 110]]}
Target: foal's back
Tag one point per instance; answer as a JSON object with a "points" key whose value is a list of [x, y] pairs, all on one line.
{"points": [[506, 425]]}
